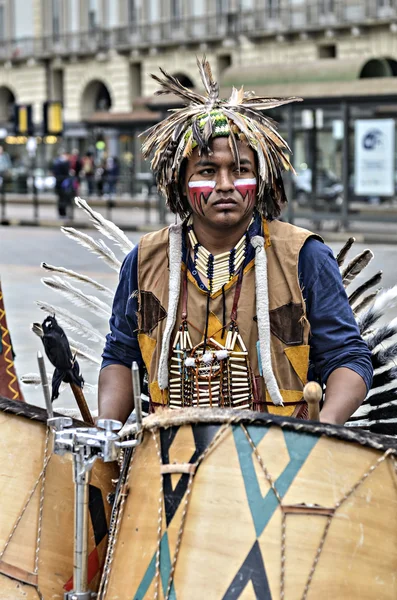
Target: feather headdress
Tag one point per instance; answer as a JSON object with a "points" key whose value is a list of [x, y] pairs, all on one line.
{"points": [[206, 116]]}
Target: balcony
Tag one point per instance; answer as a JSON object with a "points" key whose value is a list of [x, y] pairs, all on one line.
{"points": [[280, 16]]}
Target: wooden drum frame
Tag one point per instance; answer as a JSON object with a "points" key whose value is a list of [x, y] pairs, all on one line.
{"points": [[36, 509], [219, 504]]}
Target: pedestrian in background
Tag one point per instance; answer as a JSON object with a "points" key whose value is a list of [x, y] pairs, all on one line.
{"points": [[112, 172], [61, 172], [5, 167], [88, 172]]}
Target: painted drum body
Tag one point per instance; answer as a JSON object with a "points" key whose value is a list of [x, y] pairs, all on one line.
{"points": [[254, 507], [37, 514]]}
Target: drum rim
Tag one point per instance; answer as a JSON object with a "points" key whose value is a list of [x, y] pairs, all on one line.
{"points": [[165, 418], [30, 411]]}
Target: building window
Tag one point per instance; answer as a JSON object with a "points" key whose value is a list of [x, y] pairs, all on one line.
{"points": [[132, 12], [56, 18], [2, 22], [93, 15], [327, 51], [176, 9], [222, 6]]}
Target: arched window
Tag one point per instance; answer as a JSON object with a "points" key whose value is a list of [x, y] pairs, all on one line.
{"points": [[184, 80], [96, 98], [7, 102]]}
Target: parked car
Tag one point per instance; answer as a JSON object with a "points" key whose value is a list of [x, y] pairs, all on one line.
{"points": [[329, 189]]}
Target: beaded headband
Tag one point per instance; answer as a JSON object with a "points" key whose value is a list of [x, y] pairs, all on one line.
{"points": [[205, 117]]}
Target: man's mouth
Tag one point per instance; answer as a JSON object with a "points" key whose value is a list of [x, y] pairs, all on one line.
{"points": [[223, 202]]}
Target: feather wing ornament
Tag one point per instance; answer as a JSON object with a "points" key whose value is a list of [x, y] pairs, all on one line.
{"points": [[378, 413]]}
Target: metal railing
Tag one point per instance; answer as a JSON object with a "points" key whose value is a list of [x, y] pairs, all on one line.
{"points": [[275, 17]]}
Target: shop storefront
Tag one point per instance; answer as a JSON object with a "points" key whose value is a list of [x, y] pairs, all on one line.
{"points": [[322, 133]]}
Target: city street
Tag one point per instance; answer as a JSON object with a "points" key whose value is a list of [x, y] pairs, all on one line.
{"points": [[21, 252]]}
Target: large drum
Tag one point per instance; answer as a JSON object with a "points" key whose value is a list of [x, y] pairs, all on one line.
{"points": [[223, 505], [36, 509]]}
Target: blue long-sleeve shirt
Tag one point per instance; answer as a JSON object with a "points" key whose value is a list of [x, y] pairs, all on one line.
{"points": [[335, 340]]}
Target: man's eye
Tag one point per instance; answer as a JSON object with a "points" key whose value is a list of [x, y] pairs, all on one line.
{"points": [[207, 172]]}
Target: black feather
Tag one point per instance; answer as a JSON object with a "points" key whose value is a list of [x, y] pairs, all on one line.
{"points": [[355, 266], [340, 259], [203, 146], [384, 356], [365, 302], [374, 280], [387, 412], [367, 320], [384, 378], [381, 428], [381, 397], [381, 335]]}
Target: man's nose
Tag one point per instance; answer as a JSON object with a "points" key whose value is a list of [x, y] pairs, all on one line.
{"points": [[225, 181]]}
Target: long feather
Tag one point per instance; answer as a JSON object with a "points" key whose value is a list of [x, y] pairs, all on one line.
{"points": [[72, 322], [356, 265], [106, 227], [79, 277], [78, 297], [366, 302], [384, 378], [384, 300], [33, 379], [384, 356], [364, 287], [340, 259], [382, 334], [96, 247], [82, 351]]}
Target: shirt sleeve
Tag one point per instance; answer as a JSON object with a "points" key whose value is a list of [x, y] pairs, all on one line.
{"points": [[335, 340], [121, 345]]}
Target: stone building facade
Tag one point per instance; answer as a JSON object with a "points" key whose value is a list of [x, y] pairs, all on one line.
{"points": [[96, 56]]}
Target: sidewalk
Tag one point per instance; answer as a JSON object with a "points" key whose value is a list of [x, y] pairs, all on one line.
{"points": [[141, 214]]}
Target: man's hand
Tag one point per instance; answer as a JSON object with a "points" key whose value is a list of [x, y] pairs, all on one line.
{"points": [[345, 392], [115, 396]]}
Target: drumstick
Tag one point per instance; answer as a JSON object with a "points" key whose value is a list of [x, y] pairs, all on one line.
{"points": [[82, 404], [312, 394]]}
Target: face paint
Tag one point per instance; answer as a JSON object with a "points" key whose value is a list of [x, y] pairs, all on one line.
{"points": [[198, 189], [247, 188]]}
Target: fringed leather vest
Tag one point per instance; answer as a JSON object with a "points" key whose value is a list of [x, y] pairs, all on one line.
{"points": [[288, 323]]}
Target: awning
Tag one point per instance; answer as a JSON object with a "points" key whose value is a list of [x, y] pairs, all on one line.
{"points": [[128, 118], [326, 78]]}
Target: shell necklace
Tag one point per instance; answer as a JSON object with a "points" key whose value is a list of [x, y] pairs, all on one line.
{"points": [[220, 268]]}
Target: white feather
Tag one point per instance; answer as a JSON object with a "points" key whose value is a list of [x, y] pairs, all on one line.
{"points": [[97, 247], [82, 351], [384, 300], [78, 297], [72, 322], [34, 379], [106, 227], [78, 277]]}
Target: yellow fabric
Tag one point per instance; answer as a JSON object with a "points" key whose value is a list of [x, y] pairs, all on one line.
{"points": [[298, 356], [288, 396], [156, 395], [147, 346]]}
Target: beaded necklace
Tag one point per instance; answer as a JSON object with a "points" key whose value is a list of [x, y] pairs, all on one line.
{"points": [[219, 269]]}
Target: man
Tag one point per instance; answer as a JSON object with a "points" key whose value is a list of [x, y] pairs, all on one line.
{"points": [[232, 308], [61, 172]]}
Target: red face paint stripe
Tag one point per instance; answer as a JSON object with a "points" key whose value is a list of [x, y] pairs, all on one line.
{"points": [[247, 188], [198, 189]]}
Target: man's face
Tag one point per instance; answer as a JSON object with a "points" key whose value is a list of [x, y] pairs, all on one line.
{"points": [[217, 191]]}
